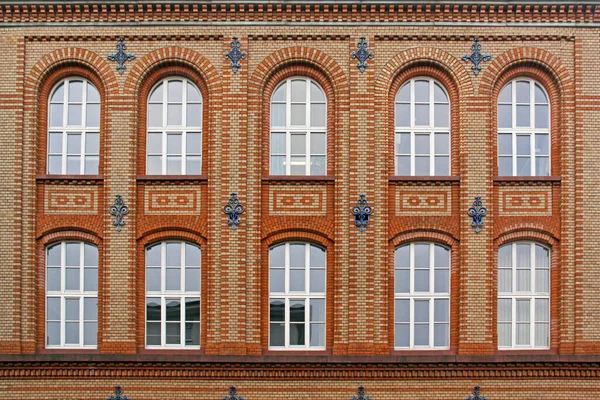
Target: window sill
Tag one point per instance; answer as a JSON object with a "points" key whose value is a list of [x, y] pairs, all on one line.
{"points": [[527, 179], [70, 178], [70, 350], [298, 178], [172, 178], [435, 178]]}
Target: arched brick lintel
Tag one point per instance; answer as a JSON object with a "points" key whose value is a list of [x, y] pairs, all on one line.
{"points": [[435, 236], [527, 232], [68, 234]]}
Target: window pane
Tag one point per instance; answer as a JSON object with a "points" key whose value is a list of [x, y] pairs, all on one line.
{"points": [[403, 165], [297, 252], [277, 280], [59, 93], [173, 276], [278, 115], [90, 333], [504, 116], [75, 91], [542, 310], [441, 115], [277, 310], [523, 145], [298, 90], [403, 115], [279, 94], [276, 334], [90, 279], [53, 279], [192, 93], [277, 256], [54, 164], [317, 114], [439, 96], [421, 280], [505, 280], [523, 337], [317, 281], [192, 334], [317, 334], [540, 96], [152, 279], [442, 166], [523, 92], [542, 145], [173, 165], [175, 91], [72, 279], [421, 255], [523, 166], [523, 311], [74, 144], [421, 310], [506, 94], [402, 311], [194, 143], [193, 165], [173, 333], [402, 257], [317, 257], [422, 335], [317, 165], [442, 145], [53, 255], [505, 143], [156, 95], [53, 334], [441, 281], [153, 309], [53, 309], [542, 335], [91, 165], [422, 114], [153, 256], [316, 94], [93, 115], [297, 310], [55, 145], [422, 165], [523, 114], [298, 143], [317, 310], [278, 143], [317, 143], [90, 308], [504, 310], [92, 143], [173, 254], [422, 144], [504, 335], [174, 113], [72, 309], [56, 115], [297, 280], [155, 115], [173, 310], [73, 165], [72, 333], [402, 335], [402, 281], [403, 143], [542, 280], [404, 93], [153, 333], [174, 144], [440, 335], [421, 91], [73, 254], [297, 335], [192, 279], [298, 114], [92, 94], [278, 165], [74, 114], [192, 309], [523, 280], [441, 311], [194, 115], [505, 166], [542, 257], [541, 117]]}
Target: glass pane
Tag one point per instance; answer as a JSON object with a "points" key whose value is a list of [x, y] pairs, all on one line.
{"points": [[174, 144], [297, 280], [504, 310], [403, 143], [298, 90], [506, 94], [542, 310], [422, 335], [523, 337], [523, 255], [523, 145], [192, 309], [192, 279], [155, 115], [421, 255], [505, 143], [441, 310], [403, 165], [317, 143], [298, 143], [193, 115], [317, 280], [278, 165], [153, 256], [91, 165], [542, 144], [173, 277], [317, 334], [523, 166], [442, 144], [173, 254], [277, 280], [316, 94], [193, 165], [156, 95], [541, 117], [402, 257], [440, 335], [55, 165], [504, 116], [317, 257], [505, 166], [422, 165], [402, 281], [403, 115], [542, 280], [53, 255], [523, 311], [90, 279], [73, 165], [542, 335], [90, 333], [402, 310], [173, 310], [317, 114], [53, 309], [194, 143], [317, 310], [72, 333], [422, 144], [153, 334], [298, 114], [55, 145], [404, 93], [153, 309], [421, 114], [441, 115], [278, 143], [421, 310], [59, 93], [277, 114], [504, 335], [72, 309], [174, 114], [442, 166], [542, 166], [297, 335], [542, 257], [441, 281], [422, 91], [74, 114], [523, 280], [277, 256], [505, 256], [439, 96], [174, 165], [75, 91], [523, 116], [53, 334], [297, 252], [540, 96], [192, 255], [93, 115], [92, 143], [192, 334], [402, 335], [441, 257], [152, 279], [505, 280], [279, 94], [277, 310], [53, 279], [90, 308], [175, 91], [74, 144], [192, 93], [276, 334], [72, 279], [317, 165], [422, 280], [56, 115], [173, 333], [73, 258], [297, 311], [92, 94], [523, 92]]}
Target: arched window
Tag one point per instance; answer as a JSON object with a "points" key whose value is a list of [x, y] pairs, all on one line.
{"points": [[523, 129], [74, 128], [71, 295], [421, 296], [523, 296], [297, 284], [298, 128], [422, 145], [173, 295], [174, 142]]}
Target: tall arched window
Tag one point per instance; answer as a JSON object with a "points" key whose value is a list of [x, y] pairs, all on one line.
{"points": [[421, 296], [523, 129], [74, 128], [173, 295], [298, 128], [297, 284], [71, 295], [174, 141], [523, 296], [422, 145]]}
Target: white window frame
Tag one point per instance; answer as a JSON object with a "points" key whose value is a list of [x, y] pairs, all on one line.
{"points": [[63, 294], [65, 129], [305, 296], [164, 295], [290, 129], [530, 131], [531, 296], [165, 130], [431, 296], [429, 129]]}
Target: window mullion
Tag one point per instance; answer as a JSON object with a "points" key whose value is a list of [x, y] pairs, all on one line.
{"points": [[64, 152], [532, 322], [411, 330], [63, 325], [306, 322], [81, 304], [286, 330], [163, 321]]}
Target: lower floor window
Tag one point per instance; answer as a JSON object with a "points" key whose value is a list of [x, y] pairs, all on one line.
{"points": [[297, 323], [173, 321]]}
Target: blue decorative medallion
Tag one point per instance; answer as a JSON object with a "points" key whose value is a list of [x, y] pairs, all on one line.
{"points": [[362, 55], [476, 395], [476, 57], [477, 212], [361, 395], [118, 394], [235, 55], [233, 209], [120, 56], [118, 210], [362, 213], [232, 395]]}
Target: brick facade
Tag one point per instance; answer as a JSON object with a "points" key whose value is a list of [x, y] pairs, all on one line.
{"points": [[555, 44]]}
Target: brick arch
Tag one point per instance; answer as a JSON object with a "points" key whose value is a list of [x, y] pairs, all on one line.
{"points": [[436, 236], [527, 231], [431, 63], [284, 227], [283, 64]]}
